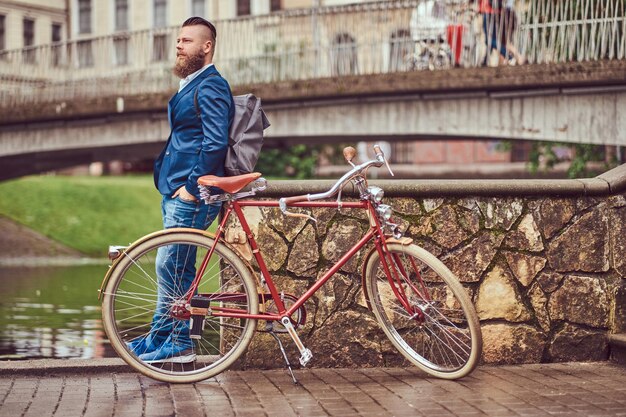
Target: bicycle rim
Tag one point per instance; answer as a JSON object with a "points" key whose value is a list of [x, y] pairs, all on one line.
{"points": [[441, 333], [131, 299]]}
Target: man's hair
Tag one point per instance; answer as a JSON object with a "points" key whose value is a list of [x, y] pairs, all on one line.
{"points": [[193, 21]]}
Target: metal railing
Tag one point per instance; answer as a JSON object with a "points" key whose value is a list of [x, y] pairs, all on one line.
{"points": [[368, 38]]}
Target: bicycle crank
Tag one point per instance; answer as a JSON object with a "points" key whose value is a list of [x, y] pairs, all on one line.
{"points": [[305, 353]]}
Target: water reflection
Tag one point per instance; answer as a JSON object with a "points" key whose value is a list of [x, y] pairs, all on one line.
{"points": [[52, 312]]}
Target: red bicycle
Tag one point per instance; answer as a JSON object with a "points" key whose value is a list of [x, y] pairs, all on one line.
{"points": [[419, 303]]}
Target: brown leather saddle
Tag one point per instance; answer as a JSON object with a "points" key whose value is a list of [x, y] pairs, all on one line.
{"points": [[229, 184]]}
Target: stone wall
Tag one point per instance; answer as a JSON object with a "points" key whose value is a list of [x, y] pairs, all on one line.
{"points": [[544, 272]]}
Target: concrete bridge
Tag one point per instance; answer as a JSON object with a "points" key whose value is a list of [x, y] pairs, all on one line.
{"points": [[575, 103], [324, 91]]}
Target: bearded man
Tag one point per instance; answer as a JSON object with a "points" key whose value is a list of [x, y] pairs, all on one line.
{"points": [[200, 115]]}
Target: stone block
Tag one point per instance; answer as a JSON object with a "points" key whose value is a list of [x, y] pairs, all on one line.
{"points": [[323, 217], [254, 217], [525, 267], [574, 343], [512, 343], [526, 236], [539, 301], [498, 298], [618, 308], [447, 230], [289, 226], [583, 246], [470, 261], [500, 212], [340, 238], [338, 294], [408, 206], [304, 254], [272, 246], [549, 281], [431, 204], [553, 214], [618, 240], [582, 300], [469, 219]]}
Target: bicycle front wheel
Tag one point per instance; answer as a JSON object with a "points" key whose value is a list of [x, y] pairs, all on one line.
{"points": [[144, 306], [424, 311]]}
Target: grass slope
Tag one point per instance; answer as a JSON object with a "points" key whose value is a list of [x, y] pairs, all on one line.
{"points": [[84, 213]]}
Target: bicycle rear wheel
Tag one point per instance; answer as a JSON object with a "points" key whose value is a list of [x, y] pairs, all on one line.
{"points": [[144, 310], [428, 317]]}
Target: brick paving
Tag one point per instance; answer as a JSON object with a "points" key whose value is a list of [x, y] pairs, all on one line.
{"points": [[568, 389]]}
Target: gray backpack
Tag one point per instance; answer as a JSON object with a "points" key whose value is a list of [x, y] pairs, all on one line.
{"points": [[245, 137]]}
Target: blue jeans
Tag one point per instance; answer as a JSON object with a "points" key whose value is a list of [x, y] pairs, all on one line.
{"points": [[492, 27], [175, 266]]}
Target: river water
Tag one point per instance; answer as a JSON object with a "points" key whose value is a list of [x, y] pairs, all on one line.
{"points": [[52, 312]]}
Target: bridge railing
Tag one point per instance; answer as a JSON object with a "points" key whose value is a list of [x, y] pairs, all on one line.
{"points": [[368, 38]]}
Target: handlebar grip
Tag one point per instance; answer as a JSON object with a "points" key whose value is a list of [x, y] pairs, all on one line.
{"points": [[349, 153], [296, 199]]}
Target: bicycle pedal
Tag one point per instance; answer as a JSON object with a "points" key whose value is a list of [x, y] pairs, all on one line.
{"points": [[307, 355]]}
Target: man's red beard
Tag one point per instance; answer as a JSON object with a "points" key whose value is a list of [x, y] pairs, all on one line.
{"points": [[188, 64]]}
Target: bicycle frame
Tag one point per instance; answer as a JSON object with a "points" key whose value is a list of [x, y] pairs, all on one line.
{"points": [[375, 232]]}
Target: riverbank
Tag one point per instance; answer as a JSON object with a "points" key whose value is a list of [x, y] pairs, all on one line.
{"points": [[86, 214], [19, 242]]}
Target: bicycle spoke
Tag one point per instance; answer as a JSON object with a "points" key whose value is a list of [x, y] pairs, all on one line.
{"points": [[145, 307], [440, 339]]}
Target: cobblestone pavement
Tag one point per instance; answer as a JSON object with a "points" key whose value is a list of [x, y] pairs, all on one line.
{"points": [[570, 389]]}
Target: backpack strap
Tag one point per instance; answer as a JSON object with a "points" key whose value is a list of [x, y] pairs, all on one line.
{"points": [[195, 103], [195, 97]]}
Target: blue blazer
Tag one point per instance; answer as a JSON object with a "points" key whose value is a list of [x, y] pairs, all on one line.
{"points": [[196, 145]]}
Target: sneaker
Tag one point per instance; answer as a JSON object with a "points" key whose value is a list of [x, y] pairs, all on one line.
{"points": [[140, 345], [170, 352]]}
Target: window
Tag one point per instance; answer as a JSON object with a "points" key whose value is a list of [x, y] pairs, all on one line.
{"points": [[121, 15], [402, 152], [29, 40], [343, 55], [29, 32], [275, 5], [84, 16], [160, 13], [56, 32], [56, 49], [85, 54], [2, 32], [401, 48], [160, 47], [160, 40], [243, 7], [121, 41], [197, 8], [121, 49]]}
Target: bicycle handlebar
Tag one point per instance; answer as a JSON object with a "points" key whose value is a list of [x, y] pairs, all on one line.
{"points": [[349, 153]]}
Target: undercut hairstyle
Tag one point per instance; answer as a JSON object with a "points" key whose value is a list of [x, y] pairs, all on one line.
{"points": [[193, 21]]}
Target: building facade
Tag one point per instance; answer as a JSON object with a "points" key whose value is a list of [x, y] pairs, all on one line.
{"points": [[25, 23]]}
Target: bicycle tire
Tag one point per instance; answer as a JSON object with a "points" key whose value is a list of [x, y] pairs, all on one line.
{"points": [[130, 300], [447, 341]]}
